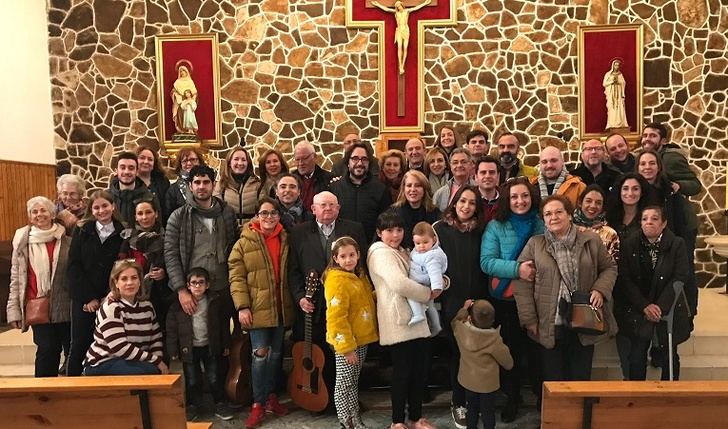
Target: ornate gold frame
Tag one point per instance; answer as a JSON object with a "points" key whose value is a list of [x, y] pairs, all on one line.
{"points": [[639, 30], [421, 25], [170, 147]]}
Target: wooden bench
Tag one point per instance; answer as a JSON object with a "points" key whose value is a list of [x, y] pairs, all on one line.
{"points": [[634, 404], [123, 402]]}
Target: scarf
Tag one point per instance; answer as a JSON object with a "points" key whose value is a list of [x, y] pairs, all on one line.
{"points": [[392, 185], [523, 225], [187, 229], [456, 223], [562, 251], [39, 258], [580, 219], [542, 183], [240, 179], [653, 249]]}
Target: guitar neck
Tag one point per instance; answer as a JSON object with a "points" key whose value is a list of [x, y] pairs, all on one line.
{"points": [[307, 337]]}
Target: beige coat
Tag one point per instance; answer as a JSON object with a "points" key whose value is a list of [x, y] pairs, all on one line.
{"points": [[482, 353], [537, 300], [60, 302], [389, 269]]}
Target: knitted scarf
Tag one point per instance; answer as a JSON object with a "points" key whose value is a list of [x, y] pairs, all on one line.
{"points": [[456, 223], [542, 183], [38, 255], [562, 251], [187, 226]]}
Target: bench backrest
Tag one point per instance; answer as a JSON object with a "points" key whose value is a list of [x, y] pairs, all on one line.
{"points": [[146, 402], [628, 404]]}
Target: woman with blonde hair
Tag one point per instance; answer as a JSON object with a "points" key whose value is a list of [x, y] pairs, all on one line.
{"points": [[392, 165], [271, 165], [437, 168], [38, 273], [238, 185], [414, 204]]}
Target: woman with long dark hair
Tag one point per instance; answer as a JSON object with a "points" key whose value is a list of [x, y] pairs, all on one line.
{"points": [[630, 194], [515, 222], [270, 166]]}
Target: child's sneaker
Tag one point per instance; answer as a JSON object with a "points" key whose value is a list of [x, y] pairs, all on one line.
{"points": [[223, 412], [416, 319], [257, 414], [272, 406]]}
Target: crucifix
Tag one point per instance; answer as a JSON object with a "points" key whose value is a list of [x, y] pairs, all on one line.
{"points": [[401, 65]]}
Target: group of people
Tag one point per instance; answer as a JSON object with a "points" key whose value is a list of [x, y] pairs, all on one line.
{"points": [[451, 241]]}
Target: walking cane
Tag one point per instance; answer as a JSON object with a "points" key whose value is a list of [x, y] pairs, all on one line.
{"points": [[677, 287]]}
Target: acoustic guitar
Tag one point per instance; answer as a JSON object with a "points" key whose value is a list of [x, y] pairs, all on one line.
{"points": [[306, 384], [237, 382]]}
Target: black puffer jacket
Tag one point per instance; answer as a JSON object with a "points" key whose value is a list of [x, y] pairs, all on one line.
{"points": [[362, 203]]}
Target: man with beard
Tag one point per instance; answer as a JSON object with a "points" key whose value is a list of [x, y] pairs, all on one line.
{"points": [[361, 195], [461, 169], [340, 168], [593, 169], [619, 156], [508, 146], [128, 189], [288, 192], [674, 163], [314, 179], [414, 150], [553, 179], [310, 250]]}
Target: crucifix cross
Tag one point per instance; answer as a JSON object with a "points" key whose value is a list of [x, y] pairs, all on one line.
{"points": [[401, 51]]}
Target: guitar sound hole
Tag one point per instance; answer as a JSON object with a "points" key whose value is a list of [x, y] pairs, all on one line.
{"points": [[307, 364]]}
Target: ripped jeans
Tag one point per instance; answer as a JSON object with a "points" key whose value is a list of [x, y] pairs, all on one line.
{"points": [[265, 366]]}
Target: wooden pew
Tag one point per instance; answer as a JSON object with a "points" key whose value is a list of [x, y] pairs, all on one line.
{"points": [[634, 404], [118, 402]]}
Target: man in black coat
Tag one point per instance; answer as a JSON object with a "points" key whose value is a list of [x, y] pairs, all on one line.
{"points": [[127, 189], [314, 179], [361, 195], [310, 249], [593, 169]]}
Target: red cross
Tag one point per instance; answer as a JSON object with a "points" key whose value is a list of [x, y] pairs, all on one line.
{"points": [[360, 13]]}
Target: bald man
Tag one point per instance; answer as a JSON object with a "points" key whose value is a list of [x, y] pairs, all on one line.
{"points": [[314, 179], [310, 250], [593, 168], [553, 179]]}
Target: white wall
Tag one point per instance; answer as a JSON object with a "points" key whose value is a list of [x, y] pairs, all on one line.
{"points": [[26, 122]]}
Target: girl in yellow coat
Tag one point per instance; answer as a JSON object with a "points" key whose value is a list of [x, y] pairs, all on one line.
{"points": [[351, 324]]}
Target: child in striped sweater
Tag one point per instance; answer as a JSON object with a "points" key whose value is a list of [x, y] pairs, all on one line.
{"points": [[127, 337]]}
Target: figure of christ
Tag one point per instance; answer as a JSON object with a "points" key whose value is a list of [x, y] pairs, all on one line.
{"points": [[402, 33]]}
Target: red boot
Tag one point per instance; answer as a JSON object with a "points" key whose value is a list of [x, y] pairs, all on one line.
{"points": [[257, 414], [272, 406]]}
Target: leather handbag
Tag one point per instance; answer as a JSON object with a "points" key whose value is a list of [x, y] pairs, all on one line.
{"points": [[584, 317], [37, 311]]}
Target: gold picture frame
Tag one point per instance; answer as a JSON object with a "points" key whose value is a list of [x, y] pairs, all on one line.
{"points": [[599, 45], [199, 53]]}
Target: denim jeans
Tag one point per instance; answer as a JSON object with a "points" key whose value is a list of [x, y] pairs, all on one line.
{"points": [[264, 368], [194, 384], [117, 366]]}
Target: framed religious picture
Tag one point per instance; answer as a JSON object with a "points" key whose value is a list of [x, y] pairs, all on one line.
{"points": [[610, 80], [188, 91]]}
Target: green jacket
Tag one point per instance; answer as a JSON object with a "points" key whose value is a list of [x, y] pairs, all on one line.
{"points": [[676, 168]]}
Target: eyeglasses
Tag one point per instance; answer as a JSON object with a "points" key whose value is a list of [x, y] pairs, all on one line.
{"points": [[593, 149], [303, 158], [190, 160], [358, 159], [198, 283], [266, 213]]}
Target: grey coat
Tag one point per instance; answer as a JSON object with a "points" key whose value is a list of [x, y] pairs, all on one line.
{"points": [[537, 300], [60, 302]]}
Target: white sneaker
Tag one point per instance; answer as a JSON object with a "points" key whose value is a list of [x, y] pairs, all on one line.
{"points": [[458, 416]]}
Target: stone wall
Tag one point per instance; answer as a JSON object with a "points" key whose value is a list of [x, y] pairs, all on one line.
{"points": [[290, 70]]}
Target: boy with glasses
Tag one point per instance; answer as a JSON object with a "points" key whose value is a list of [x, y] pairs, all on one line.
{"points": [[201, 341]]}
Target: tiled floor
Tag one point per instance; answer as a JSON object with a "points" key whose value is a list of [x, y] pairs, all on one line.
{"points": [[379, 415]]}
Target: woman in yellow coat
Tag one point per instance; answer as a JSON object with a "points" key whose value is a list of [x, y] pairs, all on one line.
{"points": [[351, 324]]}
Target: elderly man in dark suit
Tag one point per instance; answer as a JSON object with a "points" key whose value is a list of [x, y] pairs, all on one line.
{"points": [[310, 249]]}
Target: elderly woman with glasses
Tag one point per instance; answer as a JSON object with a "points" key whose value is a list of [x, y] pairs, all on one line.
{"points": [[259, 288], [71, 202]]}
